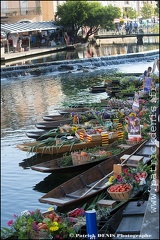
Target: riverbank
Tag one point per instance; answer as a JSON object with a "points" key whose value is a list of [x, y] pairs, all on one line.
{"points": [[5, 57]]}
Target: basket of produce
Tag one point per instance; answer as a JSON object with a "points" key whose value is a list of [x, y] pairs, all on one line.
{"points": [[133, 141], [80, 157], [120, 192], [52, 215]]}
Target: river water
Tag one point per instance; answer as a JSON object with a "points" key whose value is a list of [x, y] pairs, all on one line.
{"points": [[24, 101]]}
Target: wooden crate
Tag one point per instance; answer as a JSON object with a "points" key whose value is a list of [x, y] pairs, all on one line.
{"points": [[107, 203], [133, 160], [94, 137], [117, 169], [81, 134]]}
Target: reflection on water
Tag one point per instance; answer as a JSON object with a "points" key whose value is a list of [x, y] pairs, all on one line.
{"points": [[23, 102], [48, 183], [88, 52]]}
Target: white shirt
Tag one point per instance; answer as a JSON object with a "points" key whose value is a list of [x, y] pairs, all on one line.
{"points": [[14, 39]]}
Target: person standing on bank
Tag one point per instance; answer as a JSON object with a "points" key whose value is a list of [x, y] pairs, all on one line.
{"points": [[39, 39], [147, 72], [130, 27]]}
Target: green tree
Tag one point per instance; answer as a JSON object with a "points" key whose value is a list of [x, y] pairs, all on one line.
{"points": [[147, 11], [77, 15], [132, 14], [156, 10]]}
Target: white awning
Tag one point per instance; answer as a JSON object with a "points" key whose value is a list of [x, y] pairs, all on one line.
{"points": [[28, 27]]}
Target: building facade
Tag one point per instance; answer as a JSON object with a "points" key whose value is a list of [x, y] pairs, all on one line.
{"points": [[124, 5]]}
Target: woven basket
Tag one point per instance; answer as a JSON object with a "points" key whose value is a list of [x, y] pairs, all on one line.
{"points": [[120, 196], [45, 214], [78, 159], [130, 142]]}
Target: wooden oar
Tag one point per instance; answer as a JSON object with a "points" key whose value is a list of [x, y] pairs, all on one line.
{"points": [[113, 171]]}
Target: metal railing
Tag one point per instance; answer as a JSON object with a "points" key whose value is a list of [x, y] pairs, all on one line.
{"points": [[141, 29], [10, 12]]}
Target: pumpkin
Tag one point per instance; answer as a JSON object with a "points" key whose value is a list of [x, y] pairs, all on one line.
{"points": [[133, 139], [139, 139], [108, 153], [83, 154]]}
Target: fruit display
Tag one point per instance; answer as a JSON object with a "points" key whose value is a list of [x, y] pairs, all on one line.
{"points": [[120, 192], [52, 216], [77, 212], [120, 188]]}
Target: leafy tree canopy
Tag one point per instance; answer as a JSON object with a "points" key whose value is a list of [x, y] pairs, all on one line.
{"points": [[75, 15], [147, 11], [132, 14], [156, 12]]}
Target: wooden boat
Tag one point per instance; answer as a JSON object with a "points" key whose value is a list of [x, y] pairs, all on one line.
{"points": [[127, 220], [35, 147], [98, 89], [42, 134], [54, 117], [75, 144], [93, 181], [38, 134], [53, 124], [70, 110], [135, 206], [37, 159], [56, 165]]}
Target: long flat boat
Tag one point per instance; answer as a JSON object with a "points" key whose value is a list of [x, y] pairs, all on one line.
{"points": [[53, 117], [57, 165], [93, 181], [74, 144], [52, 124], [98, 89], [42, 134], [70, 110], [127, 220], [38, 147]]}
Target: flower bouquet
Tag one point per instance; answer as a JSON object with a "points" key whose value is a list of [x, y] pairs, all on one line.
{"points": [[35, 225], [132, 176]]}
